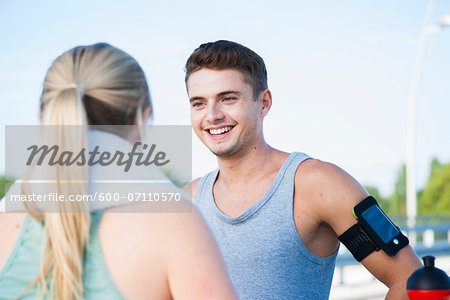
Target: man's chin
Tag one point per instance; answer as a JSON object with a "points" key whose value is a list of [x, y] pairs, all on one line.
{"points": [[223, 153]]}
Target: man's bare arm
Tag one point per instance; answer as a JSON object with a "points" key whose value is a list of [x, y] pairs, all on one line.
{"points": [[333, 195]]}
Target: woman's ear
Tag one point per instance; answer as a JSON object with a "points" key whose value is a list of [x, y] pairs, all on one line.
{"points": [[146, 114]]}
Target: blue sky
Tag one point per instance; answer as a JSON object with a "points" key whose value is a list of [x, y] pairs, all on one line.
{"points": [[339, 71]]}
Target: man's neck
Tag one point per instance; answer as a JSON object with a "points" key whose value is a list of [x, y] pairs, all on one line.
{"points": [[245, 166]]}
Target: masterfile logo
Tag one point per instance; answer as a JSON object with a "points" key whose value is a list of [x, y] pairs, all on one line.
{"points": [[91, 158]]}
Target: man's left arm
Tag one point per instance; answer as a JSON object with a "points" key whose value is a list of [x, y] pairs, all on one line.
{"points": [[339, 194]]}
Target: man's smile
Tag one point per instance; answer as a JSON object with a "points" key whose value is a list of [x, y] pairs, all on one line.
{"points": [[219, 132]]}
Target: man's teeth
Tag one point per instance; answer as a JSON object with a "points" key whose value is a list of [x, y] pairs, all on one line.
{"points": [[220, 130]]}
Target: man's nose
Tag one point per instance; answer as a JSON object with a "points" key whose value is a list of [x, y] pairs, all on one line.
{"points": [[214, 112]]}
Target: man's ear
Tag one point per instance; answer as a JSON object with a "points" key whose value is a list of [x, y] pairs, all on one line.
{"points": [[266, 102]]}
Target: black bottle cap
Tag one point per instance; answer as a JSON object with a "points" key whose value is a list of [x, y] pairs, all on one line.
{"points": [[428, 261], [428, 277]]}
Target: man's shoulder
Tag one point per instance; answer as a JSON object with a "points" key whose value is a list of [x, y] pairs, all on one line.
{"points": [[191, 187], [326, 184], [315, 172]]}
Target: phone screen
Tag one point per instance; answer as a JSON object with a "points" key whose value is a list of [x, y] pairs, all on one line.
{"points": [[380, 223]]}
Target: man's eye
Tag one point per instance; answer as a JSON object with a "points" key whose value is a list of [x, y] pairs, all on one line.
{"points": [[197, 104], [228, 98]]}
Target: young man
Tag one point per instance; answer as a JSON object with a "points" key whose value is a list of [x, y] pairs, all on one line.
{"points": [[276, 216]]}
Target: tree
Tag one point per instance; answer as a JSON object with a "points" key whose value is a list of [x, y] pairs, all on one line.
{"points": [[397, 201], [435, 198], [383, 202], [435, 166], [4, 183]]}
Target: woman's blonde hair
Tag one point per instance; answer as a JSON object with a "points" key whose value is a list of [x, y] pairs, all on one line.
{"points": [[87, 85]]}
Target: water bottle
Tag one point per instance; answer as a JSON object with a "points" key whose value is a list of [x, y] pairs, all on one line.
{"points": [[428, 282]]}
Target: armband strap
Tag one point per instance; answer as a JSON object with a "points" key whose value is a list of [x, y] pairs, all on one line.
{"points": [[357, 242]]}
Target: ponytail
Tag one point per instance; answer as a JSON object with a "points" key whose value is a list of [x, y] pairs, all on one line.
{"points": [[67, 231]]}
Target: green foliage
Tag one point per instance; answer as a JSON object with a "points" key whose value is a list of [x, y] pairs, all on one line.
{"points": [[435, 166], [397, 201], [383, 202], [4, 181], [435, 198], [173, 177], [394, 204]]}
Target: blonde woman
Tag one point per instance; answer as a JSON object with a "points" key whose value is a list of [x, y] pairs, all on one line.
{"points": [[97, 255]]}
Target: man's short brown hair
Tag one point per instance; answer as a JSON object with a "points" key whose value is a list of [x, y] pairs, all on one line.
{"points": [[222, 55]]}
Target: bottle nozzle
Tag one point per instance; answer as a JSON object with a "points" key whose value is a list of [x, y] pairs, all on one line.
{"points": [[428, 261]]}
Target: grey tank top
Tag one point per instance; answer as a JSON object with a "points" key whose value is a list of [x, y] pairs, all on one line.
{"points": [[263, 252]]}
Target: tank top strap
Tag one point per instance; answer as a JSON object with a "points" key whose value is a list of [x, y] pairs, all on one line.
{"points": [[93, 247], [287, 181], [205, 186], [95, 219], [94, 241], [97, 280], [283, 193]]}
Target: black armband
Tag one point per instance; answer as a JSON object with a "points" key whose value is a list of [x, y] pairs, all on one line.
{"points": [[357, 242], [374, 231]]}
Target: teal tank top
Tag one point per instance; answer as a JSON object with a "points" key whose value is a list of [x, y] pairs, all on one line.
{"points": [[263, 252], [23, 264]]}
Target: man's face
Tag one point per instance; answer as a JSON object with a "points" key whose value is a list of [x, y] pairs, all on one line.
{"points": [[224, 114]]}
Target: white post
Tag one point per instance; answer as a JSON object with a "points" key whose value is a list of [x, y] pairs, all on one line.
{"points": [[428, 238], [411, 199]]}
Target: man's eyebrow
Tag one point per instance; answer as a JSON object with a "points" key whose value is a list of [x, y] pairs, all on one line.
{"points": [[228, 92], [195, 98], [221, 94]]}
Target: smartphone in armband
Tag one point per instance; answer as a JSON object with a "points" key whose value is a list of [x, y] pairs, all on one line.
{"points": [[378, 227]]}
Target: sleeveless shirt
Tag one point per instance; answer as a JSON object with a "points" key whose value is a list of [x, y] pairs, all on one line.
{"points": [[23, 264], [263, 252]]}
